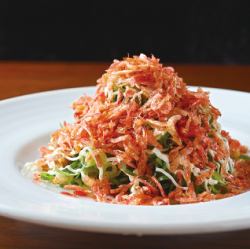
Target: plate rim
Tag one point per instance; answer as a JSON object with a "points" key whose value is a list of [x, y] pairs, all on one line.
{"points": [[106, 227], [91, 87]]}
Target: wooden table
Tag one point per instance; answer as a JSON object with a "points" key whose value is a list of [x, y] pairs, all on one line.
{"points": [[17, 78]]}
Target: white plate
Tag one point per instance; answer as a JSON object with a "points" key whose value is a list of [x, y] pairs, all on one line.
{"points": [[27, 121]]}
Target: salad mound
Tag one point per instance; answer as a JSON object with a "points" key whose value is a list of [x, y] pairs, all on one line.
{"points": [[144, 139]]}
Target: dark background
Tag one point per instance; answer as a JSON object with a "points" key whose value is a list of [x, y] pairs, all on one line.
{"points": [[176, 31]]}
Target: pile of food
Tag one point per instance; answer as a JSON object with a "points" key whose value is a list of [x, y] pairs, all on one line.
{"points": [[144, 139]]}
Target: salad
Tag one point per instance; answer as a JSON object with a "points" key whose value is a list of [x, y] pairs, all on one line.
{"points": [[145, 139]]}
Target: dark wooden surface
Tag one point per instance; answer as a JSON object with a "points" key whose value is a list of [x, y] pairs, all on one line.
{"points": [[18, 78]]}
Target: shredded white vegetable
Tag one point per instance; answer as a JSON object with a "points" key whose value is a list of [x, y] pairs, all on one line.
{"points": [[196, 171], [162, 156], [170, 178]]}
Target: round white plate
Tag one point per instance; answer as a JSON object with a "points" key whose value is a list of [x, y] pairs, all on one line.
{"points": [[26, 123]]}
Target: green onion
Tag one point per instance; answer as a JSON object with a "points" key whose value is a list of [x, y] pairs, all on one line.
{"points": [[123, 88], [211, 122], [216, 176], [218, 165], [154, 161], [122, 178], [144, 99], [47, 177], [166, 141], [76, 164], [91, 171], [114, 97], [111, 171], [77, 181], [127, 170], [245, 157], [64, 172], [167, 185], [218, 189], [199, 189], [141, 100], [210, 157]]}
